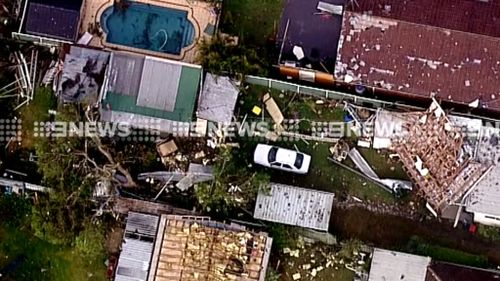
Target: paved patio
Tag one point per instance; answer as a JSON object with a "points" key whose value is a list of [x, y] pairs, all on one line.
{"points": [[200, 13]]}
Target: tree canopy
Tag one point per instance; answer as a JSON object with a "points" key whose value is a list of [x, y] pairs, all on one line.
{"points": [[234, 185], [220, 55]]}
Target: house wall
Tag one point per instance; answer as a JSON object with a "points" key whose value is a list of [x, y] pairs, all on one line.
{"points": [[487, 219]]}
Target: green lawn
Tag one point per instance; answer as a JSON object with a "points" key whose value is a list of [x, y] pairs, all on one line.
{"points": [[39, 260], [323, 174], [36, 111], [418, 246], [254, 21], [382, 165], [328, 176]]}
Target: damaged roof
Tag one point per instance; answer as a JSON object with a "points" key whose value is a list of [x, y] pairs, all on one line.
{"points": [[480, 17], [485, 198], [196, 248], [83, 74], [432, 153], [419, 60], [218, 99]]}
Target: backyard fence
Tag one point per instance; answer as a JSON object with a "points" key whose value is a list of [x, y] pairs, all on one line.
{"points": [[335, 95], [320, 93]]}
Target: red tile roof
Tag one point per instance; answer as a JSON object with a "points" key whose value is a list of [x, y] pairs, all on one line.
{"points": [[475, 16], [420, 60]]}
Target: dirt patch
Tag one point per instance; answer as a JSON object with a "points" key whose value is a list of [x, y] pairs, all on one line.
{"points": [[114, 239]]}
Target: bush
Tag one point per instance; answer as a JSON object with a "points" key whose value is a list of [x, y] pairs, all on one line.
{"points": [[419, 247], [489, 232], [272, 275], [90, 241], [14, 210], [221, 56], [282, 236]]}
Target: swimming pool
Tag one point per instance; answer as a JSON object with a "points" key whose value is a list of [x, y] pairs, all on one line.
{"points": [[148, 27]]}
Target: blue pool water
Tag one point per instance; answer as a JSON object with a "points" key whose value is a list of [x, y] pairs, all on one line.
{"points": [[148, 27]]}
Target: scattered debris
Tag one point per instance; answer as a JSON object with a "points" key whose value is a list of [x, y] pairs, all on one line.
{"points": [[395, 186], [196, 173], [166, 148], [273, 109]]}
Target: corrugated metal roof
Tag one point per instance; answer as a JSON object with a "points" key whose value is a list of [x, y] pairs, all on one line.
{"points": [[142, 224], [420, 60], [159, 84], [52, 21], [481, 17], [218, 99], [396, 266], [295, 206], [125, 74], [137, 248], [147, 87], [485, 198]]}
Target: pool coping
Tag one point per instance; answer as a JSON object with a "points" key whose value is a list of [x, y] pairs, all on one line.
{"points": [[176, 6]]}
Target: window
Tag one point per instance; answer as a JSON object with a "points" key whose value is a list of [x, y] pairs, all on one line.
{"points": [[275, 164], [299, 160], [286, 166], [271, 157]]}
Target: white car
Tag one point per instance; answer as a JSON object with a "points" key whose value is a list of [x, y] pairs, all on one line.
{"points": [[281, 159]]}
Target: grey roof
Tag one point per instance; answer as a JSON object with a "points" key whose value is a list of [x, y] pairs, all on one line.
{"points": [[137, 248], [125, 74], [156, 91], [53, 20], [397, 266], [83, 74], [295, 206], [218, 99], [485, 198]]}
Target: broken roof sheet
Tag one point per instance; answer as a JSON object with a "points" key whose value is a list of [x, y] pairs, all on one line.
{"points": [[218, 99], [485, 198], [397, 266], [82, 74], [387, 126], [54, 18], [137, 247], [295, 206], [480, 17], [440, 271], [196, 248], [419, 60]]}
